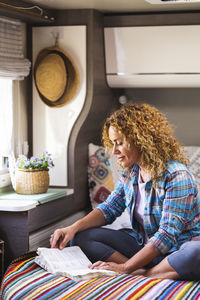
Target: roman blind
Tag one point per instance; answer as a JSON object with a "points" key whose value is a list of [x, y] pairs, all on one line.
{"points": [[12, 62], [6, 118]]}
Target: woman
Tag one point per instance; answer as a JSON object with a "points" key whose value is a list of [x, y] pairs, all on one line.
{"points": [[160, 194]]}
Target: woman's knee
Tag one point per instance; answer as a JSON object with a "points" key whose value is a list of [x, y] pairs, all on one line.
{"points": [[185, 261], [192, 252], [101, 235], [79, 239], [89, 243], [88, 236]]}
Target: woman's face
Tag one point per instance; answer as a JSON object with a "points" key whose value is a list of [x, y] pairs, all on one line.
{"points": [[126, 152]]}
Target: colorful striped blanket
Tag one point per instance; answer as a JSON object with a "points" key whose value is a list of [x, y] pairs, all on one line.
{"points": [[25, 280]]}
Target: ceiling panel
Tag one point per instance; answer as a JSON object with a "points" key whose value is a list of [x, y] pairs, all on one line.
{"points": [[112, 6]]}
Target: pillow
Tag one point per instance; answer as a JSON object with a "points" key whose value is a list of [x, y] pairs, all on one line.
{"points": [[101, 180], [193, 153], [99, 175]]}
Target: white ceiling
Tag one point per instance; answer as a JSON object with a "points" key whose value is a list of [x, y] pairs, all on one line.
{"points": [[115, 6]]}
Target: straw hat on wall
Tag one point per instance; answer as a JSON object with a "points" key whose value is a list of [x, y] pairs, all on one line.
{"points": [[56, 76]]}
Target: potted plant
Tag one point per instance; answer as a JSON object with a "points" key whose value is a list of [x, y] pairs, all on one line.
{"points": [[32, 174]]}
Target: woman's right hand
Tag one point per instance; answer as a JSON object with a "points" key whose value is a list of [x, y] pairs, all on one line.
{"points": [[61, 237]]}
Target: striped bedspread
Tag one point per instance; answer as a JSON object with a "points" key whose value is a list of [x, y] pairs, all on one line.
{"points": [[26, 280]]}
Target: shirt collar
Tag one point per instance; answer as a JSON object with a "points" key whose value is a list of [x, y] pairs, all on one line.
{"points": [[135, 173]]}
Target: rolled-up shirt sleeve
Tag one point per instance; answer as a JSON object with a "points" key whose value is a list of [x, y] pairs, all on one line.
{"points": [[114, 204], [178, 208]]}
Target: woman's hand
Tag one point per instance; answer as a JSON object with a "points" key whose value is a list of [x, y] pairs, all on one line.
{"points": [[61, 237], [119, 268]]}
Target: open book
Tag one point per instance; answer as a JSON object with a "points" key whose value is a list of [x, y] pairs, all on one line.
{"points": [[70, 262]]}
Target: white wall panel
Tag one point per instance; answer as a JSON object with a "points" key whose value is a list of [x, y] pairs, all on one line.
{"points": [[153, 56], [52, 125]]}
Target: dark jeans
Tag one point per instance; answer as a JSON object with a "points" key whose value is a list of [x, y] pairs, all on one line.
{"points": [[186, 261], [101, 243]]}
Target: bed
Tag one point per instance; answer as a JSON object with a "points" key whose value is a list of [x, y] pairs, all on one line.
{"points": [[24, 279]]}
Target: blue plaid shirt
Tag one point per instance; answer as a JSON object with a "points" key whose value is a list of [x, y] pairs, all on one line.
{"points": [[172, 208]]}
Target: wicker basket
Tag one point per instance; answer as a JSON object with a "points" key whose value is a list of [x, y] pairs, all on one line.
{"points": [[34, 181]]}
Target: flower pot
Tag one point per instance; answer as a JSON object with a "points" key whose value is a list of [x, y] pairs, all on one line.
{"points": [[32, 181]]}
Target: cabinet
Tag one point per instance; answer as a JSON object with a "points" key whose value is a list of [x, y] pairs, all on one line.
{"points": [[17, 226]]}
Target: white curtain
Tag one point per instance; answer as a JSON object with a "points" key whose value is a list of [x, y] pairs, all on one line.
{"points": [[6, 118], [12, 62]]}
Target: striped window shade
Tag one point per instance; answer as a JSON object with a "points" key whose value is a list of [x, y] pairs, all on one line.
{"points": [[13, 65]]}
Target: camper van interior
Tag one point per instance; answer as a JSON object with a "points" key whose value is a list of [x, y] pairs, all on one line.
{"points": [[65, 65]]}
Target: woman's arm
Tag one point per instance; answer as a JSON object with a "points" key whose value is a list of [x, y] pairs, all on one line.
{"points": [[62, 236], [179, 210], [106, 213], [139, 260]]}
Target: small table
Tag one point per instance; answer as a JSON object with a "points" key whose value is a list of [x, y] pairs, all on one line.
{"points": [[21, 215]]}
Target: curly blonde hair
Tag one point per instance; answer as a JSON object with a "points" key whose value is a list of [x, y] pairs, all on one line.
{"points": [[150, 132]]}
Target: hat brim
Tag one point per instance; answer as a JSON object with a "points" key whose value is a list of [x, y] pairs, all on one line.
{"points": [[71, 74]]}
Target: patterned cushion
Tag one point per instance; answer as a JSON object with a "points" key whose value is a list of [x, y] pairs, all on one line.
{"points": [[99, 175], [103, 173]]}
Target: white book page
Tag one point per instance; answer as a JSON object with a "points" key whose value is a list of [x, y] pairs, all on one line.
{"points": [[70, 261], [68, 258]]}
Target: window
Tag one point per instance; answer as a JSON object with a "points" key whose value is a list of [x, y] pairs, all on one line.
{"points": [[13, 68], [6, 121]]}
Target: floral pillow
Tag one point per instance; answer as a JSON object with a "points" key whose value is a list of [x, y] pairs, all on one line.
{"points": [[103, 173], [99, 175]]}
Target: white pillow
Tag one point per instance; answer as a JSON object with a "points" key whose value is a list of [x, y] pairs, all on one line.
{"points": [[194, 158]]}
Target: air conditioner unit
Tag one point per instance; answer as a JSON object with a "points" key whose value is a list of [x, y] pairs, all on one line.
{"points": [[171, 1], [153, 56]]}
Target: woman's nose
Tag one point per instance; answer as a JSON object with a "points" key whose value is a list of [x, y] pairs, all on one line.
{"points": [[115, 150]]}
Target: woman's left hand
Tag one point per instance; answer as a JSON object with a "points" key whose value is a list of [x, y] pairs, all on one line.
{"points": [[119, 268]]}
